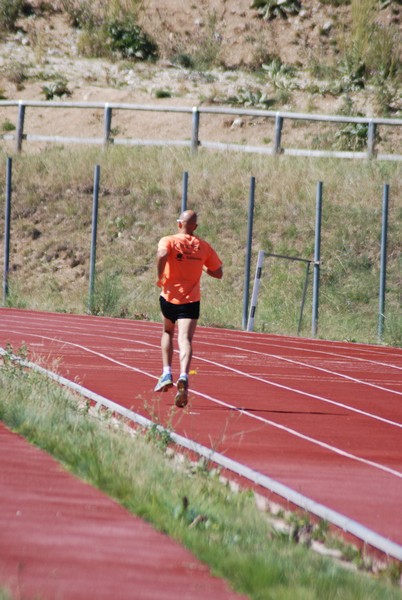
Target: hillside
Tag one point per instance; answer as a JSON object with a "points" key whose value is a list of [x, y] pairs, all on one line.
{"points": [[227, 38]]}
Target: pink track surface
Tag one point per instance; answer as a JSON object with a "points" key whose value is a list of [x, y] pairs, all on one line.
{"points": [[322, 418], [61, 539]]}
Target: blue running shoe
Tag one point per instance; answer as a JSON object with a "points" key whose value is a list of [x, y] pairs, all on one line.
{"points": [[181, 398], [165, 382]]}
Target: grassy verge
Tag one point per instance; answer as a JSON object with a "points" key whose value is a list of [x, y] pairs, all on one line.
{"points": [[188, 502]]}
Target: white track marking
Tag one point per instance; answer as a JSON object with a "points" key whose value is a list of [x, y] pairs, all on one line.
{"points": [[297, 362], [345, 356], [249, 376], [300, 392], [293, 361], [288, 430], [255, 340]]}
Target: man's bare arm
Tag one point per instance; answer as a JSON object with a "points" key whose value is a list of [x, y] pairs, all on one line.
{"points": [[217, 274], [161, 260]]}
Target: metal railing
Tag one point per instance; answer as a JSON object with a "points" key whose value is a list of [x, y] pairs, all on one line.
{"points": [[195, 142]]}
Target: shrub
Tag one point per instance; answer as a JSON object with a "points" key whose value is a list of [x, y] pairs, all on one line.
{"points": [[269, 9], [208, 45], [336, 2], [163, 94], [7, 126], [56, 88], [131, 41], [352, 137], [9, 12], [107, 300], [82, 14]]}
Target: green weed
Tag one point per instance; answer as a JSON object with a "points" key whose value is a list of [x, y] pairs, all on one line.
{"points": [[10, 10], [7, 126], [269, 9]]}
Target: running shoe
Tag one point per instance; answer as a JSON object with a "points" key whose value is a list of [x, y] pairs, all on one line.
{"points": [[165, 382], [181, 398]]}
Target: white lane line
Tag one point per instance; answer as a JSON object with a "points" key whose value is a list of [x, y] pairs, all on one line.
{"points": [[307, 366], [305, 394], [150, 326], [344, 356], [288, 430], [345, 523], [249, 376], [290, 360]]}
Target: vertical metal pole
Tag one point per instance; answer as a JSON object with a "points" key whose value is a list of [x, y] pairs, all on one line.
{"points": [[303, 297], [371, 139], [278, 133], [7, 221], [93, 239], [184, 192], [195, 130], [107, 124], [256, 288], [383, 260], [20, 127], [246, 291], [317, 255]]}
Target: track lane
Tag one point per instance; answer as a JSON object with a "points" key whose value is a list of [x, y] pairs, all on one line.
{"points": [[261, 444]]}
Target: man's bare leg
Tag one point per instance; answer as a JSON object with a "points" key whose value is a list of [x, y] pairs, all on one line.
{"points": [[186, 330], [165, 382], [167, 342]]}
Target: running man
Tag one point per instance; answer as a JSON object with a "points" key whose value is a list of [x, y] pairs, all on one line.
{"points": [[181, 260]]}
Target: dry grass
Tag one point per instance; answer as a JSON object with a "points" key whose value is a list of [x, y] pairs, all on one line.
{"points": [[140, 197]]}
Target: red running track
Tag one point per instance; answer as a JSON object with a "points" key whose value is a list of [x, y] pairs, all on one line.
{"points": [[61, 539], [321, 419]]}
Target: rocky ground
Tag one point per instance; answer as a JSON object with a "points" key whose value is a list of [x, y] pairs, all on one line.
{"points": [[44, 50]]}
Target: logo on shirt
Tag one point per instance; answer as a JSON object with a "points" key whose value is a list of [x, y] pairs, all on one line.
{"points": [[179, 256]]}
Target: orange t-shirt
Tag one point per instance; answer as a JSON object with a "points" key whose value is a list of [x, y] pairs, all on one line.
{"points": [[187, 254]]}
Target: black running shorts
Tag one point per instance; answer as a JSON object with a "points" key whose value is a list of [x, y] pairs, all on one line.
{"points": [[179, 311]]}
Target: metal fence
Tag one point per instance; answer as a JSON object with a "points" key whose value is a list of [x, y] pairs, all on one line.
{"points": [[193, 141]]}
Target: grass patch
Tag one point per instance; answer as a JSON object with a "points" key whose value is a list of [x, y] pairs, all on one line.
{"points": [[188, 502], [140, 198]]}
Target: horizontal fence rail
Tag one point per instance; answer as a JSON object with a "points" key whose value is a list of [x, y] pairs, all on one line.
{"points": [[194, 142]]}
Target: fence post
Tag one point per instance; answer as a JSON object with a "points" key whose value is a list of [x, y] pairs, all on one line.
{"points": [[278, 133], [20, 126], [107, 124], [7, 220], [184, 192], [371, 135], [317, 255], [383, 260], [93, 238], [246, 291], [195, 130]]}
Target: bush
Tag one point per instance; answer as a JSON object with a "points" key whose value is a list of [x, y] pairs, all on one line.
{"points": [[81, 14], [7, 126], [269, 9], [352, 137], [56, 88], [9, 13], [131, 41]]}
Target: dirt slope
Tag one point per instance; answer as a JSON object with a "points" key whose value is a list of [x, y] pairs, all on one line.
{"points": [[45, 48]]}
